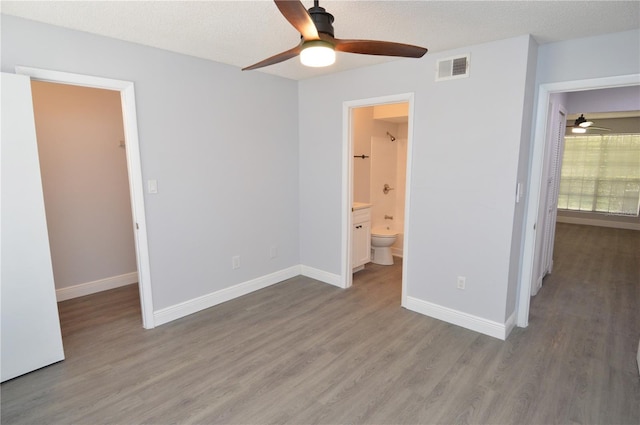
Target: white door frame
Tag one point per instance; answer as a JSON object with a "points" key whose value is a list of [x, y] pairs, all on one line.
{"points": [[346, 278], [134, 168], [535, 179]]}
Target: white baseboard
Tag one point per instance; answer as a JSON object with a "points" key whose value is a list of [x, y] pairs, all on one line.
{"points": [[509, 325], [396, 252], [100, 285], [601, 223], [322, 276], [186, 308], [468, 321]]}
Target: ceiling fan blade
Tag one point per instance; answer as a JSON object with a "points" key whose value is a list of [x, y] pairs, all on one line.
{"points": [[280, 57], [297, 15], [382, 48]]}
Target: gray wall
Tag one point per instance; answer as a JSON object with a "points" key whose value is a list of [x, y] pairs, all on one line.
{"points": [[223, 145], [463, 177], [464, 220]]}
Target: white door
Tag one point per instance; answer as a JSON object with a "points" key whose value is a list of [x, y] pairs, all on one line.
{"points": [[553, 183], [31, 336]]}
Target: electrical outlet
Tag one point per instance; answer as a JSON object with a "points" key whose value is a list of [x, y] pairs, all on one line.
{"points": [[235, 262], [462, 281], [273, 251]]}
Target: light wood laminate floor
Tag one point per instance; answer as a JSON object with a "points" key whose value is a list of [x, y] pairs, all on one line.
{"points": [[305, 352]]}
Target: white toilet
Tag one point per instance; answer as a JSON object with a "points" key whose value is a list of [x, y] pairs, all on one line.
{"points": [[381, 240]]}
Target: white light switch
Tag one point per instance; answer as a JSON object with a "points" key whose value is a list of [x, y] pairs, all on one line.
{"points": [[153, 186]]}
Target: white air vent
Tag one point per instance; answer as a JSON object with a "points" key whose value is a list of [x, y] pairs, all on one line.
{"points": [[452, 68]]}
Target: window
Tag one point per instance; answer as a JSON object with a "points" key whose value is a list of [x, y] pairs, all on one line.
{"points": [[601, 173]]}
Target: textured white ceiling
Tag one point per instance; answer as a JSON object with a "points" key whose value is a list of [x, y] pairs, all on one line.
{"points": [[240, 33]]}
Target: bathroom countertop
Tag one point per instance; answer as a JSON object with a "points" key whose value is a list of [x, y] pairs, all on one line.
{"points": [[359, 206]]}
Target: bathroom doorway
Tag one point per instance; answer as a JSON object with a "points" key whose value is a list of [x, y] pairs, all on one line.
{"points": [[378, 147], [380, 167]]}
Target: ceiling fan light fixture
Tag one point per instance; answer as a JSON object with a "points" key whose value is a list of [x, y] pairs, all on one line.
{"points": [[317, 53], [319, 45], [579, 130], [583, 122]]}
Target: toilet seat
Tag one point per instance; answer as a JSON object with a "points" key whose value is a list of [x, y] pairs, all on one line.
{"points": [[384, 233]]}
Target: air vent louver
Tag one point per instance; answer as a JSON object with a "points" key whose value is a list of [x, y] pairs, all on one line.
{"points": [[452, 68]]}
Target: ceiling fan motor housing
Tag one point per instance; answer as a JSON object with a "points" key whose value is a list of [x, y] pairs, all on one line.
{"points": [[322, 19]]}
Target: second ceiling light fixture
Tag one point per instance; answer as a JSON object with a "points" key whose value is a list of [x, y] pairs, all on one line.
{"points": [[581, 125]]}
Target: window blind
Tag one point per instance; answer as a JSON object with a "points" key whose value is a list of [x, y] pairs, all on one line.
{"points": [[601, 173]]}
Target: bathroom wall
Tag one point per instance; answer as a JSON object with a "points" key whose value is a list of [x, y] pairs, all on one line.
{"points": [[365, 127], [384, 163], [363, 124]]}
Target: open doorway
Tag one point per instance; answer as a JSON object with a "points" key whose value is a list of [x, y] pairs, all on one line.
{"points": [[81, 146], [591, 171], [133, 165], [534, 233], [379, 173], [376, 173]]}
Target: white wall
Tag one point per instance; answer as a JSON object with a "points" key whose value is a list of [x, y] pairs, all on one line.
{"points": [[222, 143], [463, 178], [85, 182]]}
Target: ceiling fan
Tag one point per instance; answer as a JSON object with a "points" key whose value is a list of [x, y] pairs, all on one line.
{"points": [[318, 44], [581, 125]]}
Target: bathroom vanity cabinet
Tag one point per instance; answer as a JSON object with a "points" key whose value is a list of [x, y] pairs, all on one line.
{"points": [[360, 237]]}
